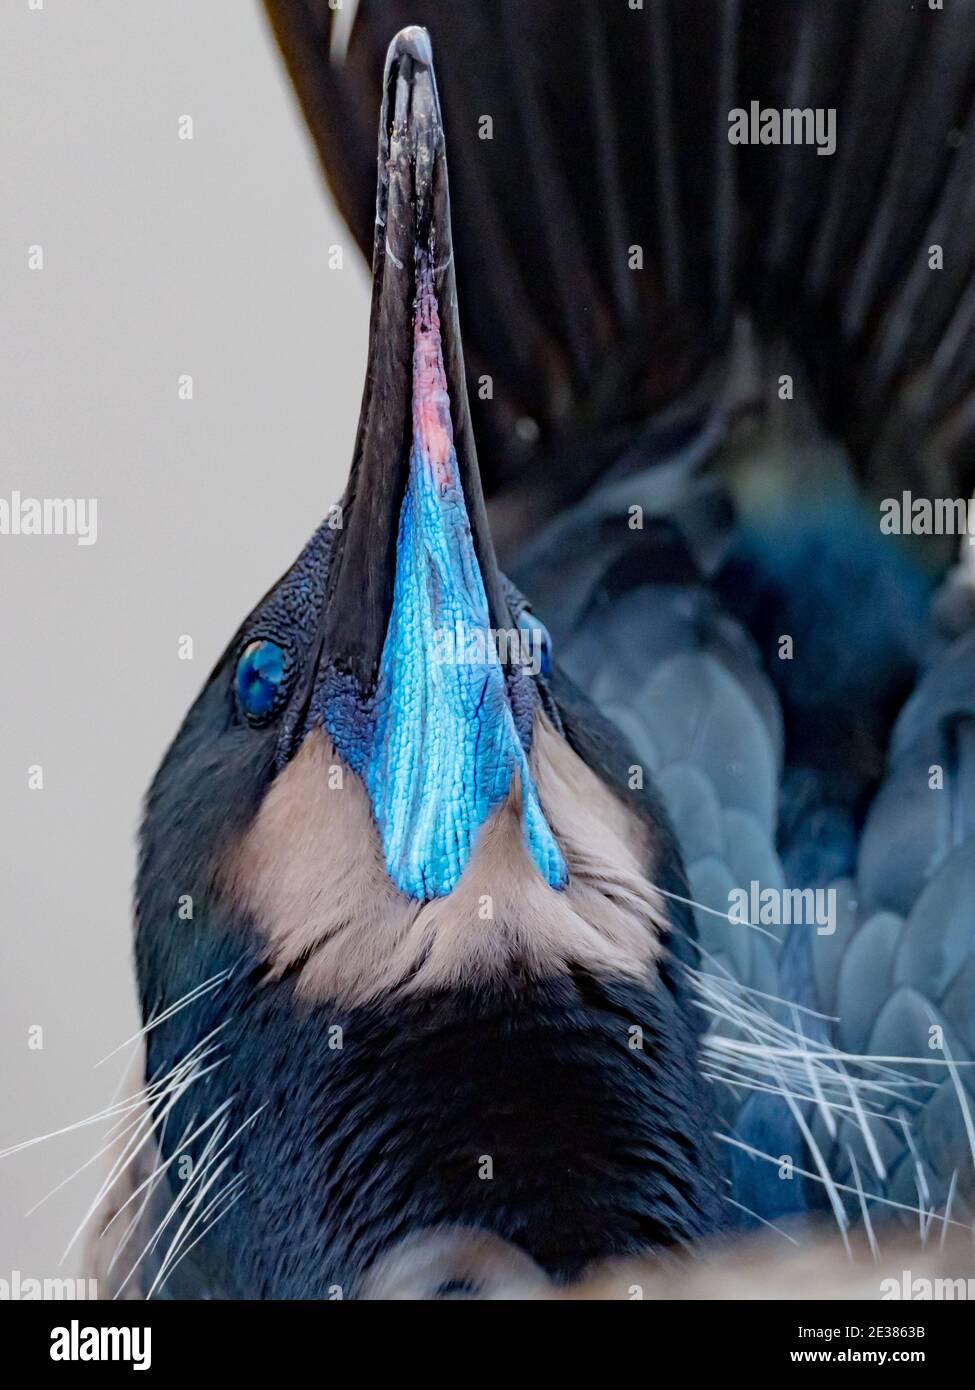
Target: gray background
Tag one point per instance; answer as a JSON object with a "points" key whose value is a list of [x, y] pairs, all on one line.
{"points": [[162, 257]]}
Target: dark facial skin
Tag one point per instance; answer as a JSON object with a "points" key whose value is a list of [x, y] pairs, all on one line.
{"points": [[339, 1144]]}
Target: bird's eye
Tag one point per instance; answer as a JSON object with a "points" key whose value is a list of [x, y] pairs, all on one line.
{"points": [[260, 679], [539, 642]]}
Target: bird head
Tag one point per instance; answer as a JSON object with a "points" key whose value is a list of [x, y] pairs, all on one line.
{"points": [[386, 823], [395, 635]]}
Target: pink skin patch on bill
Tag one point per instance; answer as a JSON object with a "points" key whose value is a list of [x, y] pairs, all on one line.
{"points": [[433, 433]]}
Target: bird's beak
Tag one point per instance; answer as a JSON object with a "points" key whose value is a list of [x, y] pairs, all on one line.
{"points": [[415, 394], [414, 592]]}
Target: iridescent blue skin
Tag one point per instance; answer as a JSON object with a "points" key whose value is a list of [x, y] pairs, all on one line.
{"points": [[439, 742], [441, 749], [446, 747]]}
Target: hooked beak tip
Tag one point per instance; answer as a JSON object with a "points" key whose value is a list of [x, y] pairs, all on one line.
{"points": [[411, 42], [412, 138]]}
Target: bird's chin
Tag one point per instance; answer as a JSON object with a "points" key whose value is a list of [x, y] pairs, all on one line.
{"points": [[310, 874]]}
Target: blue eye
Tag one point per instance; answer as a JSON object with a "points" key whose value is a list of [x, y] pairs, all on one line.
{"points": [[539, 642], [260, 678]]}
